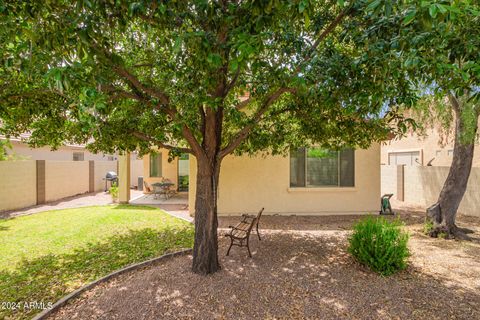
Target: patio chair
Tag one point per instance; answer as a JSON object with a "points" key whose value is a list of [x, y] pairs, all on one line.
{"points": [[148, 189], [240, 233]]}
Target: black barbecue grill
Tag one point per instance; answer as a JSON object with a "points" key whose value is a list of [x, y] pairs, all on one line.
{"points": [[112, 177]]}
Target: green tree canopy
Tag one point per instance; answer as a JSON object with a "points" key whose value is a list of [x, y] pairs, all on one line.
{"points": [[141, 74], [208, 77]]}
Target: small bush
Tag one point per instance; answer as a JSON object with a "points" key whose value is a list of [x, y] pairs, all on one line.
{"points": [[380, 244], [114, 191], [427, 226]]}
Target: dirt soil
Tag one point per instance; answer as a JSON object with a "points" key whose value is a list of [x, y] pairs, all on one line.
{"points": [[299, 270]]}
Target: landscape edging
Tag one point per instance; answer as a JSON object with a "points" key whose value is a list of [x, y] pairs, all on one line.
{"points": [[60, 303]]}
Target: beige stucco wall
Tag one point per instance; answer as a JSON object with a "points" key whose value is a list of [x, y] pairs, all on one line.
{"points": [[422, 186], [169, 169], [136, 170], [17, 184], [65, 178], [100, 171], [249, 183], [428, 147]]}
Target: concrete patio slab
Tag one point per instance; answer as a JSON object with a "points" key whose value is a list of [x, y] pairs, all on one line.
{"points": [[150, 199]]}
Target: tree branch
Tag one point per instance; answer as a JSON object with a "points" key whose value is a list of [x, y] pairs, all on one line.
{"points": [[243, 104], [233, 81], [133, 80], [323, 36], [243, 133], [119, 92], [188, 135], [202, 118], [454, 102], [147, 138]]}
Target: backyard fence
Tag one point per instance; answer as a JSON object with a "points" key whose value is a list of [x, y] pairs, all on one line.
{"points": [[31, 182], [420, 186]]}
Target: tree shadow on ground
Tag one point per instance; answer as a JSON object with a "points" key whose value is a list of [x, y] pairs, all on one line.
{"points": [[50, 277], [291, 275]]}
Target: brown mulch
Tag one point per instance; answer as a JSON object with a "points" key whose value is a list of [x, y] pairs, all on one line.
{"points": [[299, 270]]}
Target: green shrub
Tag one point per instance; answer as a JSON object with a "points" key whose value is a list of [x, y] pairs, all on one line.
{"points": [[380, 244], [114, 191], [427, 226]]}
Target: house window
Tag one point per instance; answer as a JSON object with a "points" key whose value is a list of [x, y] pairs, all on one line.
{"points": [[78, 156], [438, 153], [450, 153], [317, 167], [155, 165]]}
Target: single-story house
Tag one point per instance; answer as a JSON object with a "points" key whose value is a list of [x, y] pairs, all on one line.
{"points": [[306, 182]]}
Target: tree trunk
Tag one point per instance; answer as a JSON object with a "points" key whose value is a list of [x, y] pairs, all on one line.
{"points": [[205, 248], [443, 213]]}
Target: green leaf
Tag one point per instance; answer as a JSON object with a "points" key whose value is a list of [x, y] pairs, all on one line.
{"points": [[432, 10], [162, 8], [302, 6], [177, 45], [409, 17], [441, 8], [307, 19], [234, 65], [373, 5], [215, 60]]}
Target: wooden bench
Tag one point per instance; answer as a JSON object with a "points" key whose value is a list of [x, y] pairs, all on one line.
{"points": [[240, 234]]}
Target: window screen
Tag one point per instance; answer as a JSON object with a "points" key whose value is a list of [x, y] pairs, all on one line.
{"points": [[317, 167], [155, 165], [297, 168]]}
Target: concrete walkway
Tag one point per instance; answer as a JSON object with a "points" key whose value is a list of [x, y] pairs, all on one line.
{"points": [[150, 199], [176, 205]]}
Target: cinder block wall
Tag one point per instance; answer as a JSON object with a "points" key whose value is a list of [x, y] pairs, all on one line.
{"points": [[18, 184], [65, 178], [31, 182], [422, 186], [389, 180], [100, 170]]}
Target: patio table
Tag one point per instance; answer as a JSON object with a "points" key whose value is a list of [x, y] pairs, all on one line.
{"points": [[162, 188]]}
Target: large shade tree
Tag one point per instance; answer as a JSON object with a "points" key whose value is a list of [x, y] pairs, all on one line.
{"points": [[439, 44], [205, 77]]}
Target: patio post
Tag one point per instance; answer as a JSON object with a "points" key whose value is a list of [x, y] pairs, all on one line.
{"points": [[124, 177]]}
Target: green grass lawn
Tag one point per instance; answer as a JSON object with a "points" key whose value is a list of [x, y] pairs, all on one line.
{"points": [[47, 255]]}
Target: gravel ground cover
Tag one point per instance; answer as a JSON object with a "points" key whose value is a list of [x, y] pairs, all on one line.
{"points": [[299, 270]]}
